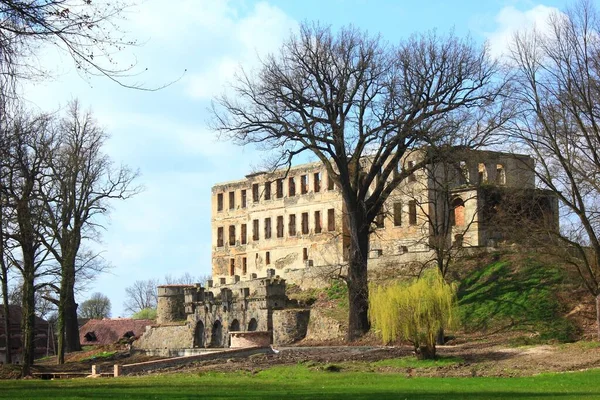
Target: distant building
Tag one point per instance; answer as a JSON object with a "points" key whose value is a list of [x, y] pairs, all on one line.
{"points": [[41, 343], [293, 221], [111, 331]]}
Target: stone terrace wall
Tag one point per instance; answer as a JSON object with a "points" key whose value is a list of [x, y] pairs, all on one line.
{"points": [[289, 326], [166, 336]]}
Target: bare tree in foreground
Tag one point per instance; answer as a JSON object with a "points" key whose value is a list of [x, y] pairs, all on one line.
{"points": [[84, 181], [347, 98], [558, 95]]}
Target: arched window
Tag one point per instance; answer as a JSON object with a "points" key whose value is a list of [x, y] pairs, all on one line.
{"points": [[216, 337], [199, 335], [457, 216], [483, 175], [500, 174], [235, 325], [252, 325]]}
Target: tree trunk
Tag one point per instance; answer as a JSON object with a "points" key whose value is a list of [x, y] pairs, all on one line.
{"points": [[358, 288], [28, 321], [7, 336], [440, 339], [598, 314], [68, 328], [426, 352]]}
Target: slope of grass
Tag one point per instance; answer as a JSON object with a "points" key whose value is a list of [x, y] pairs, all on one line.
{"points": [[518, 295], [299, 382]]}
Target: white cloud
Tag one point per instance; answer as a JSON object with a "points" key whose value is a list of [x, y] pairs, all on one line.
{"points": [[511, 21]]}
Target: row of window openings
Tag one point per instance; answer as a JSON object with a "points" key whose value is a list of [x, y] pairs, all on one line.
{"points": [[278, 190], [457, 215], [267, 262], [280, 228]]}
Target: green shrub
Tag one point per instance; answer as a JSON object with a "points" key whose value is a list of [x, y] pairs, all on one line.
{"points": [[146, 313], [414, 311]]}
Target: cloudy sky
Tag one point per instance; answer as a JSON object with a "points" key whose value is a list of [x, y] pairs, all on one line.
{"points": [[200, 44]]}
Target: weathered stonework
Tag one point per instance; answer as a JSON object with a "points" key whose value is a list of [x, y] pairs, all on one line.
{"points": [[293, 220], [289, 326]]}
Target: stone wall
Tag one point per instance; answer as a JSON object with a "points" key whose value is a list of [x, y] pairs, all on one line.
{"points": [[289, 326], [323, 328], [166, 336], [249, 339]]}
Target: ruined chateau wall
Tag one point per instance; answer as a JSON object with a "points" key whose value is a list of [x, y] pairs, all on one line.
{"points": [[170, 306], [166, 337], [322, 327], [289, 326]]}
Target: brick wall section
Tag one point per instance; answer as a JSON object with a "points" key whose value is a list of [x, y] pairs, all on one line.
{"points": [[171, 362]]}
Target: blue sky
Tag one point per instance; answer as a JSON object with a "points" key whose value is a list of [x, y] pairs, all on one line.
{"points": [[166, 228]]}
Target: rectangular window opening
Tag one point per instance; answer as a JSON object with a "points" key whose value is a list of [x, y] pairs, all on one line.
{"points": [[305, 223], [331, 219], [220, 202], [291, 187], [244, 266], [244, 234], [268, 258], [255, 230], [412, 212], [303, 184], [267, 190], [280, 226], [397, 214], [279, 188], [305, 254], [267, 228], [292, 225], [232, 235], [317, 182], [232, 267], [317, 221], [220, 234], [244, 198], [231, 200], [255, 194]]}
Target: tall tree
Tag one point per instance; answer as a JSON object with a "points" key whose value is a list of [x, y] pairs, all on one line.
{"points": [[96, 307], [558, 75], [24, 162], [359, 105], [84, 180]]}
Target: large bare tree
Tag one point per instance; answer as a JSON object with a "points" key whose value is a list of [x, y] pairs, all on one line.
{"points": [[23, 163], [96, 307], [84, 181], [359, 105], [558, 71]]}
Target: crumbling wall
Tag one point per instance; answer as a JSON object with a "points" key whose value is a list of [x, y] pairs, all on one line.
{"points": [[289, 326], [166, 336]]}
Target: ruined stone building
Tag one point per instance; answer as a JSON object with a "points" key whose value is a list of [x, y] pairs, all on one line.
{"points": [[289, 226], [193, 316], [292, 220]]}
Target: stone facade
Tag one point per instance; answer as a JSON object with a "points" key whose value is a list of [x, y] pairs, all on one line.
{"points": [[293, 220], [211, 313]]}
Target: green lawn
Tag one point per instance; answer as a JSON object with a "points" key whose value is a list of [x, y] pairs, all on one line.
{"points": [[300, 382]]}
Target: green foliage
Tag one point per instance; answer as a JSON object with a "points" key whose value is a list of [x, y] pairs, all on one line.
{"points": [[414, 311], [146, 313], [522, 297], [337, 290]]}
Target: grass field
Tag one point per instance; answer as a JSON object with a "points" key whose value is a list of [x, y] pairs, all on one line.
{"points": [[301, 382]]}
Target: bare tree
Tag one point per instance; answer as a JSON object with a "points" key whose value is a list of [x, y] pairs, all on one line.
{"points": [[141, 295], [359, 105], [83, 183], [96, 307], [185, 279], [558, 71], [23, 162]]}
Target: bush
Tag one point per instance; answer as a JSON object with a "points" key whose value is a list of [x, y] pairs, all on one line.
{"points": [[146, 313], [414, 311]]}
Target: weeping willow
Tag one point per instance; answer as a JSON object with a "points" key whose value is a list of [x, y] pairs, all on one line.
{"points": [[414, 311]]}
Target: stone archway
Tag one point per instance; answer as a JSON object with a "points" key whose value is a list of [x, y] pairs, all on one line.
{"points": [[252, 325], [199, 335], [216, 337], [234, 326]]}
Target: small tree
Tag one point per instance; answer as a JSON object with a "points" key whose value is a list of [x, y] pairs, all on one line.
{"points": [[414, 311], [96, 307], [146, 313]]}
